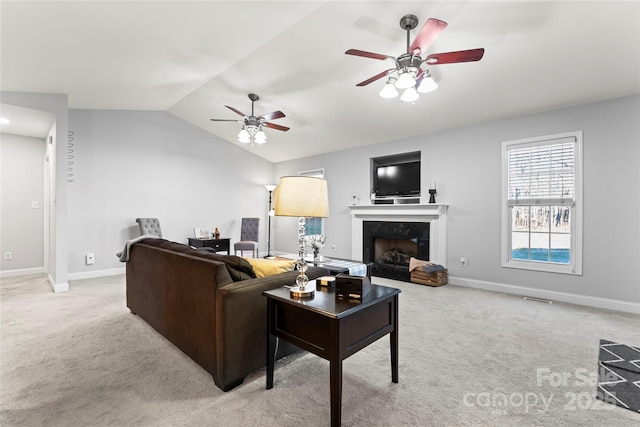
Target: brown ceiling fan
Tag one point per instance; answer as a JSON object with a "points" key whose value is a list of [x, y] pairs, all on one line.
{"points": [[252, 124], [408, 66]]}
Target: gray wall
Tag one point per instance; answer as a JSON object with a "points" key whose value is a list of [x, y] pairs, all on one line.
{"points": [[57, 207], [466, 164], [22, 181], [131, 164]]}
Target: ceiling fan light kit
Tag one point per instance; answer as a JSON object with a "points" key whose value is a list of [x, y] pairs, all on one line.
{"points": [[411, 78], [252, 126]]}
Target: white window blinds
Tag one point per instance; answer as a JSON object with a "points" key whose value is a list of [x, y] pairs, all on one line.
{"points": [[542, 172]]}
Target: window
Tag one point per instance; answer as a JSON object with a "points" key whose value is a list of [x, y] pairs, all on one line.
{"points": [[313, 226], [542, 203]]}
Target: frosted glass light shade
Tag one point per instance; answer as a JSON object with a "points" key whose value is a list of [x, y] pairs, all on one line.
{"points": [[405, 81], [427, 85], [260, 137], [244, 136], [389, 90], [410, 95]]}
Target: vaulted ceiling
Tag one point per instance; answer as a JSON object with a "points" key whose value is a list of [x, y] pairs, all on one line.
{"points": [[192, 58]]}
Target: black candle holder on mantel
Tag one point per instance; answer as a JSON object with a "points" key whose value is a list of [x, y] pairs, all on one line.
{"points": [[432, 198]]}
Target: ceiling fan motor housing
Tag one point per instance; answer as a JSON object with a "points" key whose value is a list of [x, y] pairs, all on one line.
{"points": [[252, 121], [409, 62]]}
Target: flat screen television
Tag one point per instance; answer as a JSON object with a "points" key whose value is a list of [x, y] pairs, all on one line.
{"points": [[401, 179]]}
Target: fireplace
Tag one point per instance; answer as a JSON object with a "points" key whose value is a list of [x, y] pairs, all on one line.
{"points": [[389, 245], [433, 215]]}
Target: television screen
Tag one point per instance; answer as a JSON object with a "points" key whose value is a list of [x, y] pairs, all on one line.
{"points": [[402, 179]]}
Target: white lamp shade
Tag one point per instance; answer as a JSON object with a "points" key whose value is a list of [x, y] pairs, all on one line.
{"points": [[405, 81], [260, 137], [427, 85], [301, 196], [244, 136], [389, 90], [410, 95], [270, 187]]}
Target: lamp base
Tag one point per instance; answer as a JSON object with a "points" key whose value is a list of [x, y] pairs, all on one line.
{"points": [[307, 292]]}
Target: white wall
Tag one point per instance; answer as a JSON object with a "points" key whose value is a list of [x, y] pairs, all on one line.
{"points": [[22, 180], [131, 164], [466, 164]]}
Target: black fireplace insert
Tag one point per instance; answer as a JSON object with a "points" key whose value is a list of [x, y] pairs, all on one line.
{"points": [[390, 245]]}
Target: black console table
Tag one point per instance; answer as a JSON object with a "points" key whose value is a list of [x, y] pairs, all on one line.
{"points": [[217, 244]]}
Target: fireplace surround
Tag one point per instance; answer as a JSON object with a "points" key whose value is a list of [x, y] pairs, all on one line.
{"points": [[434, 215]]}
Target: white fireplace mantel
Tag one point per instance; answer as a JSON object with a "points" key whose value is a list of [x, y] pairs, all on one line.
{"points": [[433, 213]]}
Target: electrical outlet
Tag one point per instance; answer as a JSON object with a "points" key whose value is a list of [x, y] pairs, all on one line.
{"points": [[90, 259], [8, 256], [463, 261]]}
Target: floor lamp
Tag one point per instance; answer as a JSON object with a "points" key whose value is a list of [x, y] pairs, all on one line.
{"points": [[303, 197], [270, 188]]}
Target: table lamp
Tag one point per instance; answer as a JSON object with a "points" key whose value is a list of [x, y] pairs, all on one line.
{"points": [[303, 197]]}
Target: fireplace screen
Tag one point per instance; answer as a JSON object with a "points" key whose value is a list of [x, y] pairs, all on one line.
{"points": [[391, 251]]}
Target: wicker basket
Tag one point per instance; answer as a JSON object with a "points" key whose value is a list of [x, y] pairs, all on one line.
{"points": [[438, 278]]}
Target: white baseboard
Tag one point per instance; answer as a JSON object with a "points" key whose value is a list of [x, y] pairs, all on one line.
{"points": [[21, 272], [611, 304], [58, 287], [96, 273]]}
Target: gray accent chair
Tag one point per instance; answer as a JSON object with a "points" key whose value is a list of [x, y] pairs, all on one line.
{"points": [[149, 226], [248, 237]]}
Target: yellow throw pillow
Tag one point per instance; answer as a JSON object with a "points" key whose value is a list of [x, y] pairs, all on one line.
{"points": [[270, 267]]}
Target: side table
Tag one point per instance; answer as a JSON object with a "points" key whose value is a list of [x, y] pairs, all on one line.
{"points": [[333, 329], [217, 244]]}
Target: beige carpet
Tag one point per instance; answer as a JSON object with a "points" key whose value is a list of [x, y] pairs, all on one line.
{"points": [[467, 358]]}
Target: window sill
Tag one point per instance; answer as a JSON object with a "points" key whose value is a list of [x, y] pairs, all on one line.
{"points": [[543, 267]]}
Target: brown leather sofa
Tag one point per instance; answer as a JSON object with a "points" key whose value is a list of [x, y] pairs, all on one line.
{"points": [[208, 305]]}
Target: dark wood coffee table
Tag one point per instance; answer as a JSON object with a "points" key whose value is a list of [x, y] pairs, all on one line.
{"points": [[333, 329]]}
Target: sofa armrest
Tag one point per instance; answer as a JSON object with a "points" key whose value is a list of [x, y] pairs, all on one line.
{"points": [[241, 325]]}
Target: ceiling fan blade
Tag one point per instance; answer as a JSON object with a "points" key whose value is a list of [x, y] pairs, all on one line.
{"points": [[452, 57], [273, 115], [226, 120], [275, 126], [376, 77], [235, 111], [371, 55], [429, 32]]}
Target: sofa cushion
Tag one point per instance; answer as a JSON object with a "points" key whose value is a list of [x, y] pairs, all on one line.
{"points": [[270, 267], [238, 267]]}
